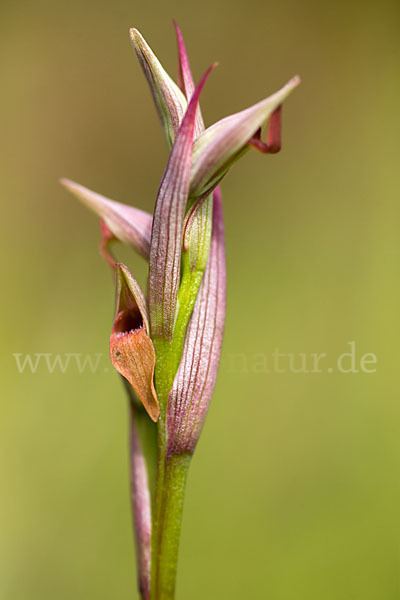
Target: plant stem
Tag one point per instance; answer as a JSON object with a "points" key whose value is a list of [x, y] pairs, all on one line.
{"points": [[168, 508]]}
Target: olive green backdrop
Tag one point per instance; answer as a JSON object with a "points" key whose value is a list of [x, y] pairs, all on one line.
{"points": [[294, 489]]}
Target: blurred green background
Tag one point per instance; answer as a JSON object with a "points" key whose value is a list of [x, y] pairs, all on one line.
{"points": [[294, 490]]}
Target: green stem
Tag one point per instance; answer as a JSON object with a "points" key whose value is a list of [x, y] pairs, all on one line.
{"points": [[167, 526]]}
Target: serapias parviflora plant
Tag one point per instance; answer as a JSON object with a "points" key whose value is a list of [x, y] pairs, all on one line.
{"points": [[166, 343]]}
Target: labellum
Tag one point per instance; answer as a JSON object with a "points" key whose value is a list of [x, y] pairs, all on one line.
{"points": [[131, 349]]}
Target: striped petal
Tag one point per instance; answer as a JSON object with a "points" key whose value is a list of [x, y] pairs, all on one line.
{"points": [[167, 233], [194, 382], [170, 102], [130, 225]]}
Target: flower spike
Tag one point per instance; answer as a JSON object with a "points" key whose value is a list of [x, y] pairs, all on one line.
{"points": [[166, 240], [129, 225], [183, 320], [131, 349], [194, 382]]}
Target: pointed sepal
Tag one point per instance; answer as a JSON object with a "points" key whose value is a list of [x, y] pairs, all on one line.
{"points": [[170, 102], [185, 77]]}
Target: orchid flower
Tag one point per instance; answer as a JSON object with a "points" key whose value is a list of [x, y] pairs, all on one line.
{"points": [[166, 344]]}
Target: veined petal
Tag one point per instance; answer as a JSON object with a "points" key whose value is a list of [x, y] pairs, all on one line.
{"points": [[166, 240], [220, 145], [194, 382], [170, 102], [130, 225], [131, 349], [185, 78]]}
